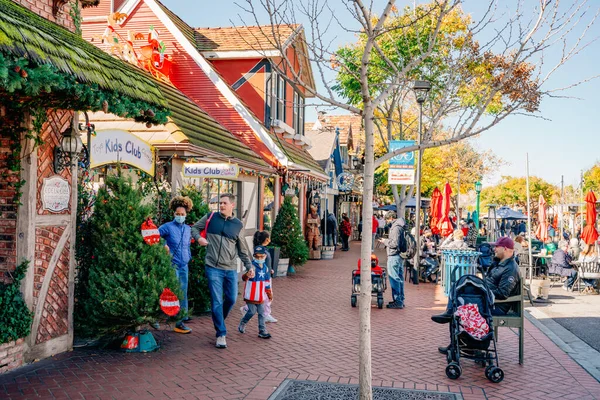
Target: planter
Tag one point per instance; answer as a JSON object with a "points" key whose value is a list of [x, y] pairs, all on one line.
{"points": [[540, 288], [314, 254], [282, 267], [327, 252], [274, 252]]}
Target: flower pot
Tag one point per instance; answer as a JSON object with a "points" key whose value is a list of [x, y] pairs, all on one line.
{"points": [[282, 267], [327, 252]]}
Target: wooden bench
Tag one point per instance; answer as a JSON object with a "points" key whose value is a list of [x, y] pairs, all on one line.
{"points": [[513, 320]]}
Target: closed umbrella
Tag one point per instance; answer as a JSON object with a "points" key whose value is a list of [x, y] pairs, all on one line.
{"points": [[542, 229], [445, 226], [435, 211], [590, 234]]}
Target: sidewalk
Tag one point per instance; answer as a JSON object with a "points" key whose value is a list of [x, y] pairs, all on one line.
{"points": [[316, 338]]}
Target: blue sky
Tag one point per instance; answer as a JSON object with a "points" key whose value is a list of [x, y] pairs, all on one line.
{"points": [[564, 145]]}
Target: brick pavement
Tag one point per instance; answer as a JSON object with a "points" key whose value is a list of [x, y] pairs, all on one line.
{"points": [[316, 338]]}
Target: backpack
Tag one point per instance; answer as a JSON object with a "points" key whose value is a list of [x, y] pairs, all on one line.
{"points": [[487, 256], [407, 244]]}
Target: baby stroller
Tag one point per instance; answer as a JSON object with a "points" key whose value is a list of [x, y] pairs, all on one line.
{"points": [[378, 282], [471, 329]]}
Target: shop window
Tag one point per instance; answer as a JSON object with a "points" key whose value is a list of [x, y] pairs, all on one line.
{"points": [[298, 114], [212, 189]]}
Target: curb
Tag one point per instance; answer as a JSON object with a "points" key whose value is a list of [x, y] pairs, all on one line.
{"points": [[577, 349]]}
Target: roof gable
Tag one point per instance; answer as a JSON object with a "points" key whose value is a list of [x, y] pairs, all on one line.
{"points": [[241, 38]]}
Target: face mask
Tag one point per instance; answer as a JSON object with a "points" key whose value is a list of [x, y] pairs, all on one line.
{"points": [[259, 262], [180, 219]]}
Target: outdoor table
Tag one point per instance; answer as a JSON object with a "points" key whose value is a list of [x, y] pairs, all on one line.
{"points": [[541, 260]]}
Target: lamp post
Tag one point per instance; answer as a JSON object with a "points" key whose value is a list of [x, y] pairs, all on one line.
{"points": [[421, 89], [478, 191]]}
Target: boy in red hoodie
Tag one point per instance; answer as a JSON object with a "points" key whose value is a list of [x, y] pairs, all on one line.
{"points": [[258, 285]]}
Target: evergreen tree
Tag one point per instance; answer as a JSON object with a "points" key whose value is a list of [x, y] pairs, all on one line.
{"points": [[287, 234], [126, 276]]}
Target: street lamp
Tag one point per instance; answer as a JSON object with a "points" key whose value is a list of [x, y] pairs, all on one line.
{"points": [[478, 191], [421, 89]]}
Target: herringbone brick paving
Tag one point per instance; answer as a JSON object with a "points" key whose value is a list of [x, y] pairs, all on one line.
{"points": [[316, 338]]}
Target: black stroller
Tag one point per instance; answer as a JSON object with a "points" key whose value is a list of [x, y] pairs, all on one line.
{"points": [[472, 290]]}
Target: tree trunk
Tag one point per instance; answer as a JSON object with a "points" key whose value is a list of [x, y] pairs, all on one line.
{"points": [[364, 303]]}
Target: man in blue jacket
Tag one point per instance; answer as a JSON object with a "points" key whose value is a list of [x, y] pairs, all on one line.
{"points": [[224, 244]]}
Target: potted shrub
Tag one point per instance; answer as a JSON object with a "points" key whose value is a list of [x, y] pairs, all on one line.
{"points": [[287, 235]]}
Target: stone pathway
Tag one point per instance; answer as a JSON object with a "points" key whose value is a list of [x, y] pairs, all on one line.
{"points": [[315, 339]]}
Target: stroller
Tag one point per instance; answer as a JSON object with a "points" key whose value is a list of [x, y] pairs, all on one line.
{"points": [[378, 282], [471, 329]]}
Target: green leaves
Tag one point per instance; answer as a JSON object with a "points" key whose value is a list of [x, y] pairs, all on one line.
{"points": [[15, 317], [287, 234]]}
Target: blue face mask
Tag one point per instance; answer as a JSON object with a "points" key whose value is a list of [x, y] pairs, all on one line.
{"points": [[180, 219], [259, 262]]}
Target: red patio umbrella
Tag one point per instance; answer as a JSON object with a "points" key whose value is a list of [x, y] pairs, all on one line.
{"points": [[590, 234], [542, 230], [445, 226], [435, 211]]}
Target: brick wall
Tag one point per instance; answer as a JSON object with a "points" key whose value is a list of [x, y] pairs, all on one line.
{"points": [[44, 9], [11, 355], [8, 209]]}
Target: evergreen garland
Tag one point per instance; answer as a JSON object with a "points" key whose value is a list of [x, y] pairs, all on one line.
{"points": [[15, 317], [287, 234]]}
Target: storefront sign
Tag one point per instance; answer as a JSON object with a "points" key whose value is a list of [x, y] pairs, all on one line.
{"points": [[56, 194], [221, 171], [402, 166], [114, 146]]}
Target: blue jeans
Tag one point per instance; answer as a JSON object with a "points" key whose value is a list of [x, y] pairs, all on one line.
{"points": [[223, 286], [182, 274], [256, 309], [395, 270], [329, 240]]}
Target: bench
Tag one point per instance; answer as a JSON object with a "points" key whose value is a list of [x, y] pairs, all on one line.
{"points": [[513, 320], [587, 270]]}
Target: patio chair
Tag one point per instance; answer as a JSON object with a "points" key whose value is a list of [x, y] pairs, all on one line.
{"points": [[513, 320], [587, 270]]}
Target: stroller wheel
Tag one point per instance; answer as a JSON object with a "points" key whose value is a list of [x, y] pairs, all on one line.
{"points": [[494, 374], [353, 300], [380, 302], [453, 370]]}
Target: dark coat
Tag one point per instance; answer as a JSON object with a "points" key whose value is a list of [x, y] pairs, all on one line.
{"points": [[561, 264], [503, 280]]}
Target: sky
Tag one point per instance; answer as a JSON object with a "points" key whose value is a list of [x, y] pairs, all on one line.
{"points": [[562, 144]]}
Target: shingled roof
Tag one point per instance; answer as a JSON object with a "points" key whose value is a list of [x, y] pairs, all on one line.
{"points": [[238, 38], [26, 34]]}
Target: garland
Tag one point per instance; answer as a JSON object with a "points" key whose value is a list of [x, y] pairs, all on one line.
{"points": [[75, 13], [30, 89]]}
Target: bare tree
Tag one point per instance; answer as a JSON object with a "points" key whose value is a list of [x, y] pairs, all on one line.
{"points": [[482, 85]]}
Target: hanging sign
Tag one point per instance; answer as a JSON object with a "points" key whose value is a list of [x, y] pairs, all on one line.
{"points": [[402, 170], [206, 170], [345, 180], [113, 146], [56, 193]]}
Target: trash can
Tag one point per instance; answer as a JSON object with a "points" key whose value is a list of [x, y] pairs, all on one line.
{"points": [[462, 262]]}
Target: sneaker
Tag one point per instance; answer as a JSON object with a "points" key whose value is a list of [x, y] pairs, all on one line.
{"points": [[264, 335], [396, 305], [187, 319], [442, 318], [270, 318], [155, 325], [242, 327], [181, 328], [243, 310], [221, 342]]}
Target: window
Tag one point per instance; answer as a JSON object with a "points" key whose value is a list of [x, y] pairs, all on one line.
{"points": [[344, 154], [280, 114], [298, 113], [295, 113]]}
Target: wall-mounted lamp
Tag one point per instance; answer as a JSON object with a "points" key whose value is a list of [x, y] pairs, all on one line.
{"points": [[67, 152]]}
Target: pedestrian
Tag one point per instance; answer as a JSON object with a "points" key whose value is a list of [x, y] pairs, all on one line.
{"points": [[360, 225], [256, 290], [345, 232], [374, 229], [223, 245], [329, 229], [263, 238], [472, 234], [396, 245], [380, 225], [178, 237]]}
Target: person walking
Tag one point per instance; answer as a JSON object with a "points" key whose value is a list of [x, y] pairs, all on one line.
{"points": [[256, 290], [395, 263], [374, 229], [178, 237], [223, 245], [346, 232]]}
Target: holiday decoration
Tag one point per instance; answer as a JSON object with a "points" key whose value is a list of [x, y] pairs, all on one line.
{"points": [[287, 234], [150, 232], [169, 303]]}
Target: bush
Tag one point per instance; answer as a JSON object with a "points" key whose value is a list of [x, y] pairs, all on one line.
{"points": [[125, 276], [288, 236], [15, 317]]}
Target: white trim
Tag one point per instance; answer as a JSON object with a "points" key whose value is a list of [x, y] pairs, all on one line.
{"points": [[229, 54], [223, 88], [127, 7], [101, 18], [281, 127]]}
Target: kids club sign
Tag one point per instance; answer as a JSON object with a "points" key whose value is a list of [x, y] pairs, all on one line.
{"points": [[219, 171], [114, 146]]}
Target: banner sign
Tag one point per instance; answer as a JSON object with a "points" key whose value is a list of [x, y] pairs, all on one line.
{"points": [[401, 170], [205, 170], [114, 146]]}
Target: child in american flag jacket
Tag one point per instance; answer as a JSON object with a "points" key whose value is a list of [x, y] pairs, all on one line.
{"points": [[258, 285]]}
